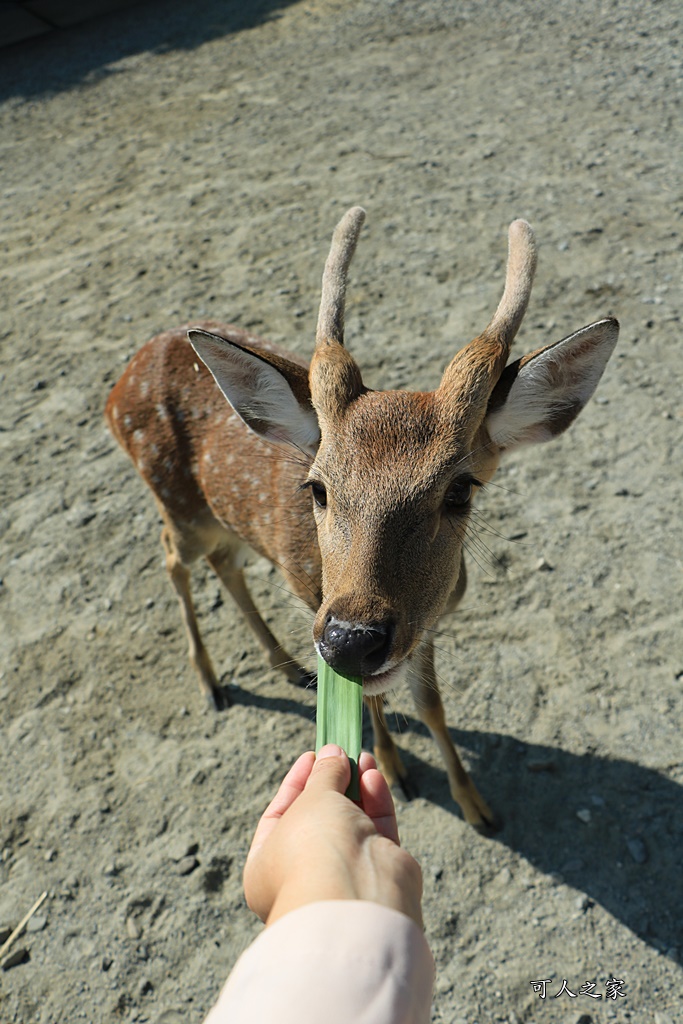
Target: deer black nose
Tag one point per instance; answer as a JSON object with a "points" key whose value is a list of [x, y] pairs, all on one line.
{"points": [[356, 649]]}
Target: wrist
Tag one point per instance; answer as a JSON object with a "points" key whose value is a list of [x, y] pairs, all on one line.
{"points": [[298, 892]]}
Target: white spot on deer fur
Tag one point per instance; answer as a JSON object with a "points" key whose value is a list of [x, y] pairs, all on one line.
{"points": [[207, 458], [139, 437], [196, 367], [154, 448], [144, 388], [115, 412], [127, 421], [162, 412]]}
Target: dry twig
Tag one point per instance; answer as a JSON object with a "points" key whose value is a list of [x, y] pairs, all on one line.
{"points": [[22, 924]]}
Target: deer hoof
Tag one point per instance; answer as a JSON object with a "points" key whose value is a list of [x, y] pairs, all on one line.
{"points": [[404, 789], [219, 699], [489, 825]]}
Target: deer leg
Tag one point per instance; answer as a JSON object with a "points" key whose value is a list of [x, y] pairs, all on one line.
{"points": [[179, 575], [386, 752], [223, 564], [428, 704]]}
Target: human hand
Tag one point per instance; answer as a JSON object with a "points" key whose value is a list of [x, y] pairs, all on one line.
{"points": [[313, 843]]}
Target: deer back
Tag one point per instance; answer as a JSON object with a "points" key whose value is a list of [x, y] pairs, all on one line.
{"points": [[207, 470]]}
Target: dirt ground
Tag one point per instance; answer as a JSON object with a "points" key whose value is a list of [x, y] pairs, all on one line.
{"points": [[180, 161]]}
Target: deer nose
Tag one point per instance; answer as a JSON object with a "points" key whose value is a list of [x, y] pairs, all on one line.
{"points": [[355, 649]]}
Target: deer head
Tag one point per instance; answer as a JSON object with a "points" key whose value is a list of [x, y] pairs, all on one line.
{"points": [[393, 474]]}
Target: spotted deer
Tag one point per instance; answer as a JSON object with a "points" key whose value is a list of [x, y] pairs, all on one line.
{"points": [[362, 498]]}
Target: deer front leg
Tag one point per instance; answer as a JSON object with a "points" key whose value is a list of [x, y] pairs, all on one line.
{"points": [[428, 704], [223, 564], [179, 576], [386, 753]]}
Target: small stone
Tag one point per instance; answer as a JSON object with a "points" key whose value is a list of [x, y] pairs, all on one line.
{"points": [[179, 849], [543, 565], [584, 1018], [107, 961], [584, 815], [5, 932], [18, 956], [37, 923], [146, 987], [49, 855], [584, 902], [638, 850], [133, 928], [187, 865]]}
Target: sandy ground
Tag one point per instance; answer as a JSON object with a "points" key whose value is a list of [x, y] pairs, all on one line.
{"points": [[181, 161]]}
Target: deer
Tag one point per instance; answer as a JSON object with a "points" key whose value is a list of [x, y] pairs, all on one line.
{"points": [[361, 497]]}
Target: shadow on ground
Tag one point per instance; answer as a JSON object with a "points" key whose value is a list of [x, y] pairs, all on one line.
{"points": [[626, 853], [86, 52], [626, 856]]}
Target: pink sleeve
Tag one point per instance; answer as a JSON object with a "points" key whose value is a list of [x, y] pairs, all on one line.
{"points": [[335, 961]]}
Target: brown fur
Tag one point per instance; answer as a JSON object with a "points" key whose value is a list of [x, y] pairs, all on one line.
{"points": [[386, 544]]}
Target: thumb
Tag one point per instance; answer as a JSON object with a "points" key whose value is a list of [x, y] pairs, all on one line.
{"points": [[331, 771]]}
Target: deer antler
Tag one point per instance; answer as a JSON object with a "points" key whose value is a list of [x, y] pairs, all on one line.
{"points": [[334, 377], [477, 367], [344, 240], [518, 281]]}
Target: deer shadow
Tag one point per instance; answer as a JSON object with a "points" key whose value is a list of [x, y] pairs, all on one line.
{"points": [[626, 853], [277, 704]]}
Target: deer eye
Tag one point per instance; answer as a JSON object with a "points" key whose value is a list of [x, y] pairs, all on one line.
{"points": [[459, 494], [319, 493]]}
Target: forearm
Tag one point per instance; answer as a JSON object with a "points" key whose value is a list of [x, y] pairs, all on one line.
{"points": [[333, 961]]}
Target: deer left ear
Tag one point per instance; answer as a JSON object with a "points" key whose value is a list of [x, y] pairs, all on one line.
{"points": [[538, 396], [267, 391]]}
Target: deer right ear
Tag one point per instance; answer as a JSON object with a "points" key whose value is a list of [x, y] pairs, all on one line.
{"points": [[267, 391], [538, 396]]}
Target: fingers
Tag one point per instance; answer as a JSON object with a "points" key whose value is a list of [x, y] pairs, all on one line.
{"points": [[331, 771], [365, 761], [377, 802], [291, 787]]}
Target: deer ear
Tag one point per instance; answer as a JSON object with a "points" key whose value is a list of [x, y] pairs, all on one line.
{"points": [[267, 391], [538, 396]]}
